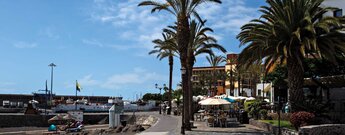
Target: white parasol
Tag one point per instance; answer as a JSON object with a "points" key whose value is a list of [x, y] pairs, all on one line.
{"points": [[214, 101]]}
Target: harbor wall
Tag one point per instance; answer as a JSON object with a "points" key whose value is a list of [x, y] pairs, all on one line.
{"points": [[20, 120]]}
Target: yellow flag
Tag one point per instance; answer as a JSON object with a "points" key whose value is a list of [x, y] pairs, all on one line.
{"points": [[78, 88]]}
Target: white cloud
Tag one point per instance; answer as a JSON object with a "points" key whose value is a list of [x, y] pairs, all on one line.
{"points": [[139, 27], [88, 81], [97, 43], [228, 16], [134, 24], [23, 45], [92, 42], [50, 32], [138, 76]]}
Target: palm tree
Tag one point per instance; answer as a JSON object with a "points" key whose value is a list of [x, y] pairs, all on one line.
{"points": [[200, 43], [286, 32], [182, 10], [231, 73], [214, 62], [164, 53]]}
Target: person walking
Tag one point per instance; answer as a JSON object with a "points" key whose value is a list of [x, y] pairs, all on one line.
{"points": [[164, 108]]}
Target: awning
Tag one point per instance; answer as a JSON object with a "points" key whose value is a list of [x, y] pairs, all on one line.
{"points": [[268, 88]]}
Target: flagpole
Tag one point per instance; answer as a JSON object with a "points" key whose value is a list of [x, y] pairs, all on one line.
{"points": [[76, 91], [45, 107]]}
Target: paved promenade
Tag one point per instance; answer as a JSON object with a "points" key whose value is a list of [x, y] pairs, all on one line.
{"points": [[171, 125], [166, 125]]}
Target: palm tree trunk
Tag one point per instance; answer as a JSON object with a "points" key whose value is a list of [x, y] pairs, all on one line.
{"points": [[254, 85], [190, 85], [171, 63], [190, 90], [295, 82], [231, 82], [239, 85], [183, 35]]}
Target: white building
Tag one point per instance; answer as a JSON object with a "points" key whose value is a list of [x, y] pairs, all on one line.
{"points": [[265, 90], [338, 4]]}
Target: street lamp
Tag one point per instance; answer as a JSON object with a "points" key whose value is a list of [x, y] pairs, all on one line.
{"points": [[52, 65], [278, 107], [183, 72], [160, 93]]}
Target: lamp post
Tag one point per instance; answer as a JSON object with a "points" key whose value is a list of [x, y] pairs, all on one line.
{"points": [[183, 72], [161, 99], [52, 65]]}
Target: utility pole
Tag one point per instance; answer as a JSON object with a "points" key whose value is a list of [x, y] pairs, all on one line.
{"points": [[52, 65]]}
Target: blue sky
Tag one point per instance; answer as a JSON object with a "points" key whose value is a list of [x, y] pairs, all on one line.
{"points": [[103, 44]]}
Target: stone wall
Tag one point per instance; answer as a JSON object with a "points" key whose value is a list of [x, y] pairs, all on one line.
{"points": [[42, 120], [24, 120], [326, 129], [273, 129]]}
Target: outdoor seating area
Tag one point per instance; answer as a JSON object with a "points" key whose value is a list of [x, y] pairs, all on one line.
{"points": [[220, 111]]}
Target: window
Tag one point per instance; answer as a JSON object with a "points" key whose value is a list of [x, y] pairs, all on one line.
{"points": [[259, 92], [338, 13]]}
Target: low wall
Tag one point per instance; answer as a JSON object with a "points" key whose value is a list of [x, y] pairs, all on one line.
{"points": [[273, 129], [24, 120], [325, 129], [16, 120]]}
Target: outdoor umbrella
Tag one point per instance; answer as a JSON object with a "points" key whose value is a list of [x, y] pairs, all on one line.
{"points": [[213, 101], [68, 117], [230, 100], [33, 102], [204, 101], [58, 119], [242, 98], [250, 98]]}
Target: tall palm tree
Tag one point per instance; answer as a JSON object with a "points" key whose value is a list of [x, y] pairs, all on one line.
{"points": [[166, 53], [286, 32], [182, 10], [231, 74], [214, 62], [200, 43]]}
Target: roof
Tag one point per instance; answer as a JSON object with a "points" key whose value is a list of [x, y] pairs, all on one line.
{"points": [[207, 68], [336, 81]]}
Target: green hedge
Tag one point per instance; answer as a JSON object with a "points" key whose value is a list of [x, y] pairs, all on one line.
{"points": [[246, 105], [283, 123]]}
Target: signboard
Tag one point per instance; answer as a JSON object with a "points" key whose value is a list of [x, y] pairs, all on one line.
{"points": [[78, 114]]}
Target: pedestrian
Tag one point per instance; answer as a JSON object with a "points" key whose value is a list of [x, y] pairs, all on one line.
{"points": [[164, 108]]}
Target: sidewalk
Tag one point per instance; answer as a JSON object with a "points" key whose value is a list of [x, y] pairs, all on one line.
{"points": [[234, 129], [166, 125], [171, 125]]}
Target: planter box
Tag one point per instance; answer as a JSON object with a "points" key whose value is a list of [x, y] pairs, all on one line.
{"points": [[325, 129], [273, 129]]}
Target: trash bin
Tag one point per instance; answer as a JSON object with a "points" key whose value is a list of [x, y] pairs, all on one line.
{"points": [[244, 117], [123, 123]]}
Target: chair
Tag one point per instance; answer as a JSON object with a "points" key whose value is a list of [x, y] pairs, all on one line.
{"points": [[198, 116], [210, 121], [223, 122]]}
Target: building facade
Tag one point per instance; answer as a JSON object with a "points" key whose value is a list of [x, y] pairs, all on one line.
{"points": [[211, 79]]}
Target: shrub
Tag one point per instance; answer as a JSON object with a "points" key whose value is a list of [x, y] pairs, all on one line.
{"points": [[263, 114], [283, 116], [254, 109], [247, 104], [300, 119]]}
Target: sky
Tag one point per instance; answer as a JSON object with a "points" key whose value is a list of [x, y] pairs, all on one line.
{"points": [[103, 44]]}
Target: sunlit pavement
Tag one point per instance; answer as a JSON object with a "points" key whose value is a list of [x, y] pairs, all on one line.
{"points": [[171, 125]]}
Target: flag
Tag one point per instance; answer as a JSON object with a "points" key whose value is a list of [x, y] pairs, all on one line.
{"points": [[78, 88]]}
